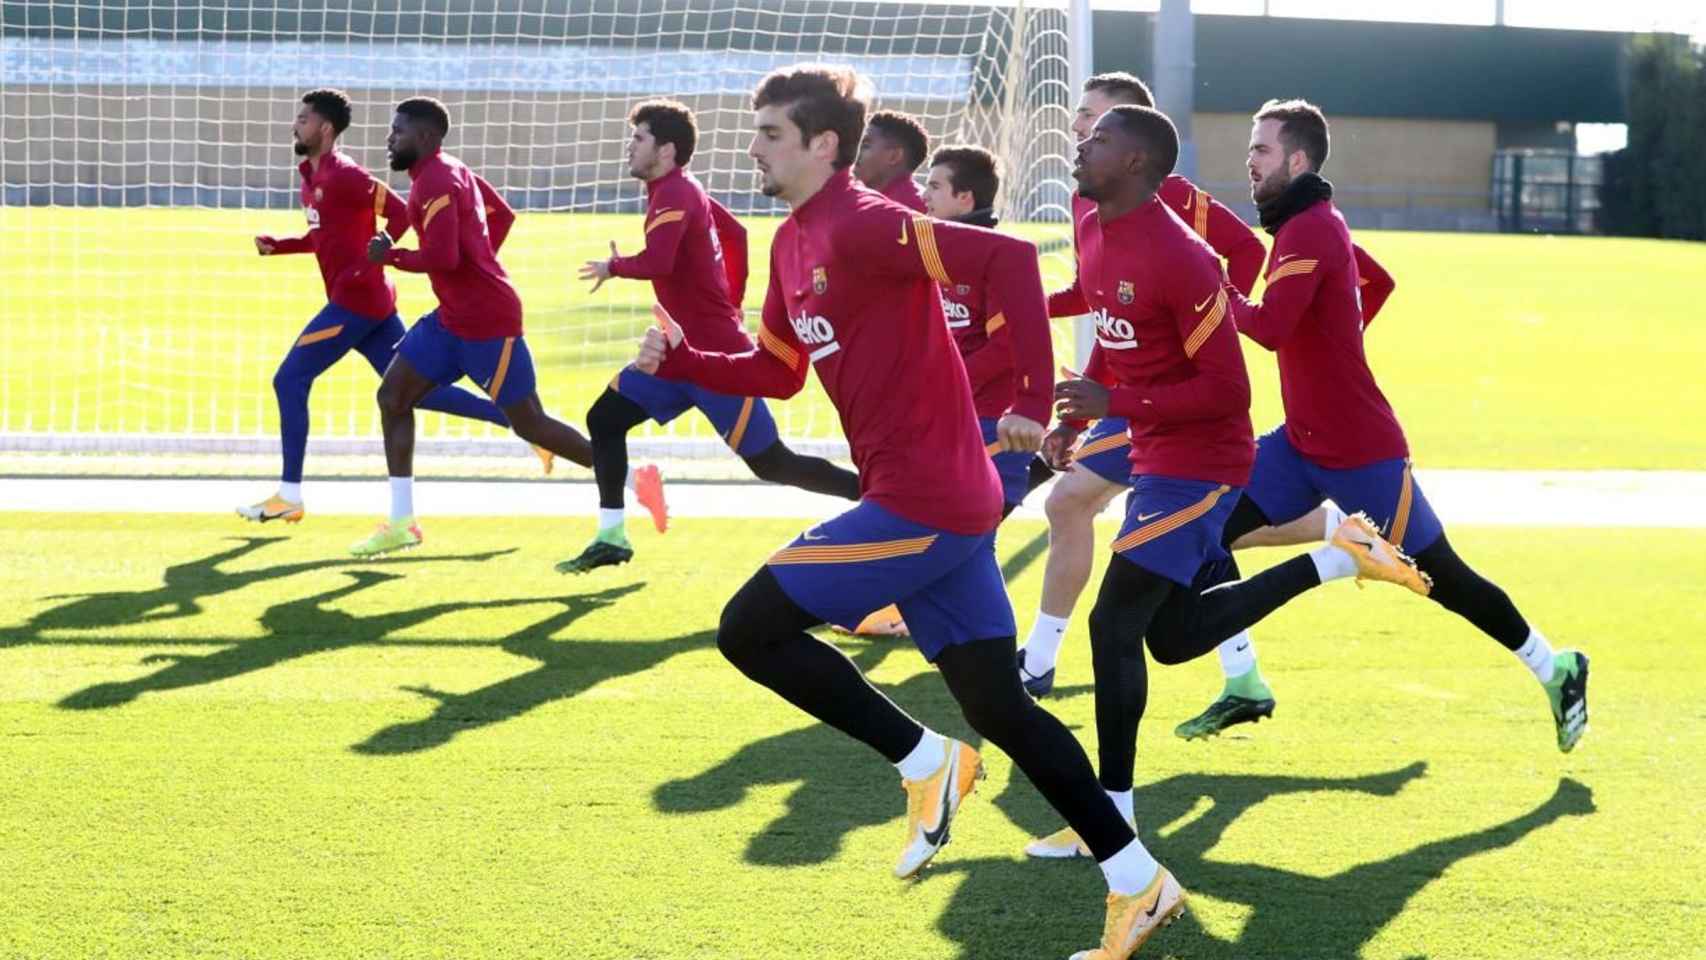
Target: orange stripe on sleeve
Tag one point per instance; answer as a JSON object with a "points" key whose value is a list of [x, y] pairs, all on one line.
{"points": [[1206, 328], [1200, 222], [432, 210], [926, 233], [995, 323], [778, 347], [1293, 269], [663, 218], [380, 192]]}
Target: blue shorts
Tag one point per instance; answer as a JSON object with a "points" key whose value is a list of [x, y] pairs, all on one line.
{"points": [[1106, 450], [1012, 466], [947, 585], [1172, 527], [1286, 485], [744, 422], [500, 365]]}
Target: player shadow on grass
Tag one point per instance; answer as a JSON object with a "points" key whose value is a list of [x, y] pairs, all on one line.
{"points": [[1054, 907], [309, 625], [183, 588]]}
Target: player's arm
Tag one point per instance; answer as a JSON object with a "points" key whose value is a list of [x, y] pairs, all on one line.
{"points": [[776, 367], [1068, 301], [899, 243], [731, 237], [1200, 301], [269, 246], [994, 358], [1373, 283], [1236, 243], [1300, 258], [500, 216], [666, 225], [439, 232]]}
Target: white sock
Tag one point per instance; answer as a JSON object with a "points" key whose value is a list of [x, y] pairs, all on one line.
{"points": [[1042, 647], [402, 498], [1536, 655], [1131, 870], [290, 491], [1333, 563], [1237, 655], [610, 517], [628, 481], [1335, 516], [925, 759], [1122, 799]]}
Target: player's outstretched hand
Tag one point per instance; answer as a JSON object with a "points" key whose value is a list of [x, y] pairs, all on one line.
{"points": [[599, 270], [265, 246], [1016, 432], [1076, 398], [378, 247], [1057, 447]]}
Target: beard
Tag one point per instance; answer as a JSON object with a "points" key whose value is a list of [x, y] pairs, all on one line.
{"points": [[299, 148], [768, 186], [402, 159], [1270, 186]]}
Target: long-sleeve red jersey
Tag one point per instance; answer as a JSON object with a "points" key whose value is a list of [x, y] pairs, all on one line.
{"points": [[689, 258], [983, 340], [1312, 316], [344, 205], [461, 222], [854, 291], [1164, 345]]}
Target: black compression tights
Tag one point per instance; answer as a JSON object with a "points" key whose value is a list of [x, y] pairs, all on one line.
{"points": [[762, 633]]}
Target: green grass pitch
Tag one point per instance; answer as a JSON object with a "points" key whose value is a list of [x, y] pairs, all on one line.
{"points": [[220, 742], [1497, 351]]}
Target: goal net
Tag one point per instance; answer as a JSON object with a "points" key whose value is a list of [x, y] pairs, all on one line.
{"points": [[142, 146]]}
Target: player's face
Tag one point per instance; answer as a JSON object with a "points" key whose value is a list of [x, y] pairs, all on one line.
{"points": [[874, 165], [642, 153], [940, 200], [1270, 173], [1104, 158], [403, 146], [1091, 106], [784, 162], [309, 132]]}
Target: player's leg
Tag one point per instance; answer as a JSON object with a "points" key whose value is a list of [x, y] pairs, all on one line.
{"points": [[963, 623], [504, 367], [1101, 470], [832, 573], [1316, 526], [380, 345], [631, 399], [1280, 499], [325, 339], [426, 358], [1389, 493], [746, 425]]}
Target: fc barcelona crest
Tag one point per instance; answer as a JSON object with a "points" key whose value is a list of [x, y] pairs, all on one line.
{"points": [[319, 194], [820, 280], [1127, 292], [963, 289]]}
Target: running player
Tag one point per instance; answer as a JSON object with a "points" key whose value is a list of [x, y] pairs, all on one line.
{"points": [[344, 205], [476, 329], [695, 258], [1341, 439], [890, 152], [854, 292]]}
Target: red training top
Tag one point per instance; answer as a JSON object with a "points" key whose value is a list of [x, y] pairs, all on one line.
{"points": [[344, 204], [461, 222]]}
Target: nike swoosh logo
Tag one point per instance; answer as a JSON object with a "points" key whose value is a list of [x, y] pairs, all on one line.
{"points": [[1154, 906], [808, 536], [1242, 647], [1145, 517], [902, 240], [1198, 307], [936, 836], [1280, 260]]}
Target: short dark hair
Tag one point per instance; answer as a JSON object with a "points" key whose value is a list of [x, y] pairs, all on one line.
{"points": [[1122, 86], [904, 129], [1153, 131], [971, 168], [818, 99], [426, 110], [1302, 127], [331, 105], [670, 121]]}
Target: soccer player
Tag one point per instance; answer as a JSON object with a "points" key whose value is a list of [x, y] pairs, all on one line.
{"points": [[1340, 438], [344, 205], [1177, 376], [475, 331], [961, 187], [1098, 469], [695, 257], [854, 292], [891, 151]]}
